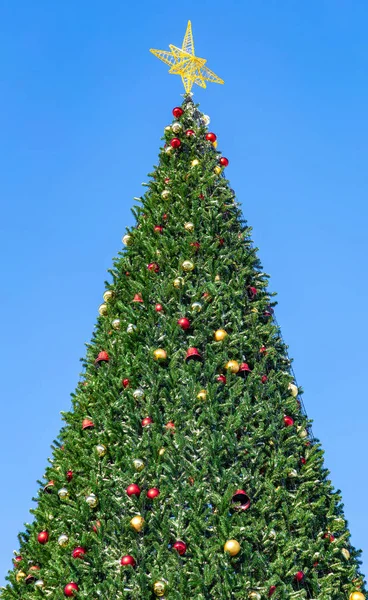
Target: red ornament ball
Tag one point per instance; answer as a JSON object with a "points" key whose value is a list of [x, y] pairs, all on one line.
{"points": [[180, 547], [153, 493], [133, 490], [69, 475], [43, 537], [17, 559], [146, 421], [96, 526], [128, 561], [175, 143], [201, 197], [167, 180], [221, 379], [184, 323], [125, 382], [158, 229], [78, 552], [288, 421], [70, 588], [159, 307], [189, 132], [271, 591], [264, 378], [211, 137], [263, 350], [164, 216], [170, 425], [302, 460], [195, 245], [177, 112], [299, 576], [153, 267], [224, 161]]}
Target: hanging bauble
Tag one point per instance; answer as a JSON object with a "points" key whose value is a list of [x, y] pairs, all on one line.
{"points": [[49, 486], [184, 323], [221, 379], [131, 328], [189, 132], [232, 547], [133, 490], [138, 464], [187, 265], [178, 282], [193, 354], [43, 537], [346, 554], [189, 226], [293, 473], [161, 451], [176, 127], [101, 450], [170, 425], [102, 309], [116, 324], [299, 576], [146, 421], [160, 355], [180, 547], [79, 552], [127, 561], [220, 334], [263, 350], [137, 523], [271, 590], [102, 357], [158, 307], [91, 500], [127, 240], [196, 307], [195, 162], [223, 161], [253, 595], [125, 382], [39, 583], [240, 500], [165, 194], [70, 589], [158, 229], [244, 370], [175, 143], [138, 394], [211, 137], [252, 292], [160, 588], [108, 295], [264, 379], [153, 266], [96, 527], [17, 559], [63, 493], [177, 112], [217, 278], [293, 389], [302, 433], [288, 421], [137, 298], [153, 493], [20, 575], [169, 150], [202, 395], [232, 366], [63, 540], [356, 596], [30, 579], [303, 460], [217, 170]]}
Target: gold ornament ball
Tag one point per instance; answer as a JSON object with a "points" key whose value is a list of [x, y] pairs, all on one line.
{"points": [[63, 540], [232, 547], [168, 128], [217, 170], [131, 328], [108, 295], [293, 389], [101, 450], [63, 494], [232, 366], [254, 310], [293, 473], [356, 596], [187, 265], [138, 393], [127, 240], [176, 127], [161, 451], [214, 144], [116, 324], [254, 595], [202, 395], [220, 335], [160, 354], [159, 588], [169, 149], [195, 162], [178, 282], [303, 433], [102, 309], [137, 523], [346, 554], [91, 500], [39, 583], [217, 278], [20, 575], [165, 194], [189, 226], [138, 464], [196, 307]]}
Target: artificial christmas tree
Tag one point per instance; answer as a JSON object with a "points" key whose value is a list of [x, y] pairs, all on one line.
{"points": [[186, 467]]}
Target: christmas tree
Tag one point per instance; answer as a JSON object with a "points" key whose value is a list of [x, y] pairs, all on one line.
{"points": [[187, 467]]}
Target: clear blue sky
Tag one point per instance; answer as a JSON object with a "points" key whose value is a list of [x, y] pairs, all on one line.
{"points": [[82, 108]]}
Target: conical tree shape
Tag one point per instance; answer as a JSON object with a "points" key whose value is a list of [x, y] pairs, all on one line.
{"points": [[186, 468]]}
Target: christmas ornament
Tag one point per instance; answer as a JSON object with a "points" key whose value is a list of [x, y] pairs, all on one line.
{"points": [[17, 559], [288, 421], [63, 494], [195, 245], [221, 379], [244, 370], [178, 282], [101, 450], [69, 475], [102, 309], [195, 162], [264, 379], [180, 547], [170, 425], [202, 395], [165, 194], [169, 150], [193, 354], [302, 460], [175, 143], [252, 292], [356, 596], [177, 112], [138, 394], [137, 298], [189, 226], [137, 523], [63, 540], [70, 588], [49, 486], [30, 579], [160, 355], [271, 591], [97, 526], [108, 295], [189, 132], [232, 366], [87, 424], [138, 463], [217, 278], [158, 229], [160, 588], [127, 240], [220, 334], [43, 537], [293, 473], [153, 267], [127, 561], [102, 357], [211, 137], [223, 161], [146, 421], [293, 389], [299, 576], [153, 493], [91, 500], [232, 547], [217, 170], [184, 323], [196, 307], [345, 553], [254, 595], [116, 324], [40, 584], [133, 490], [20, 575], [263, 350], [187, 265], [240, 500], [79, 552], [158, 308], [125, 382], [176, 127]]}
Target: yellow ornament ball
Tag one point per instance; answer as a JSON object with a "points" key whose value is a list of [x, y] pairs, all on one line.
{"points": [[101, 450], [127, 240], [214, 144], [161, 451], [189, 226], [220, 335], [217, 278], [20, 575], [202, 395], [232, 547], [232, 366], [195, 162], [108, 295], [159, 588], [160, 354], [116, 324], [187, 265], [356, 596], [217, 170], [178, 282], [346, 554], [137, 523], [138, 464], [102, 309], [293, 389]]}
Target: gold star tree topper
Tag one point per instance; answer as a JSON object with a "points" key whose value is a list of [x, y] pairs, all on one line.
{"points": [[183, 62]]}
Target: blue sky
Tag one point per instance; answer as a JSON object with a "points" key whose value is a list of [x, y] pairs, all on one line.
{"points": [[82, 108]]}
